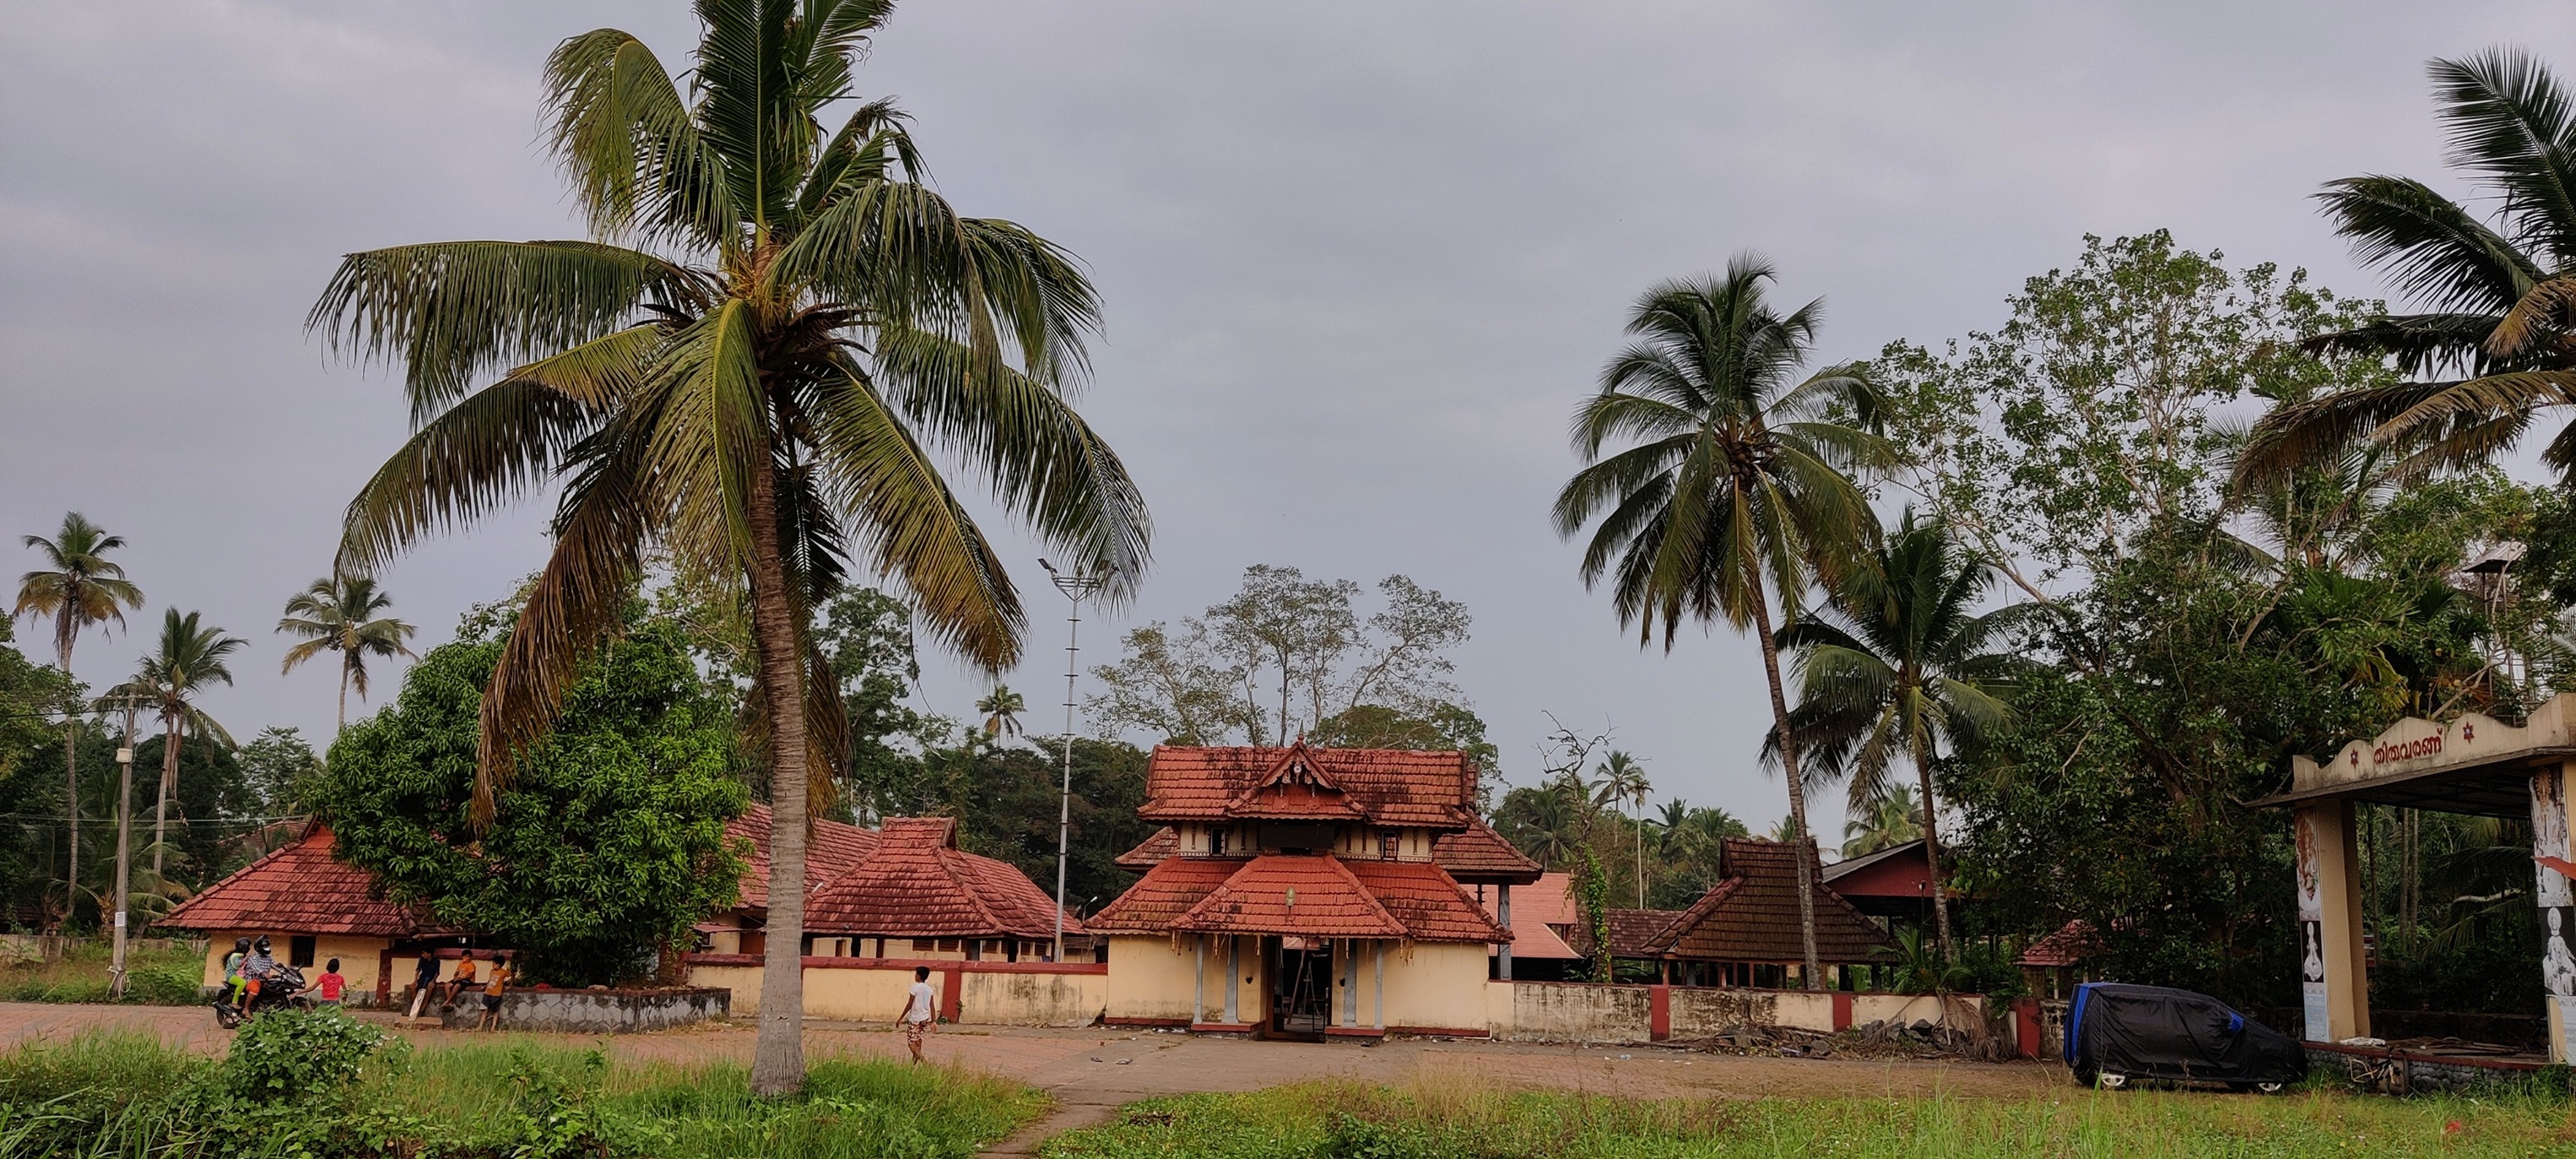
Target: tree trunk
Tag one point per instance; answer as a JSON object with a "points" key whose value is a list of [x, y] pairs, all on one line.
{"points": [[1815, 971], [173, 734], [71, 785], [778, 1056], [1932, 855], [343, 725]]}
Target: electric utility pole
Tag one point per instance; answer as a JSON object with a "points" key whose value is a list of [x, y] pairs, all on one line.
{"points": [[1076, 588], [124, 845]]}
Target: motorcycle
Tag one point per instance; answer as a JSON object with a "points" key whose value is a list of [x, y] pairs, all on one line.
{"points": [[279, 992]]}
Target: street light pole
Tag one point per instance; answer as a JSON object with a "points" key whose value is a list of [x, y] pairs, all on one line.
{"points": [[1076, 588], [124, 846]]}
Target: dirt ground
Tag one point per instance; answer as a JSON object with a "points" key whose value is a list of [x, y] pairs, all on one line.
{"points": [[1092, 1072]]}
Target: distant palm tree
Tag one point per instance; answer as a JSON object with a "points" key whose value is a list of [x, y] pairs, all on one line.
{"points": [[2496, 343], [758, 362], [78, 586], [339, 615], [1557, 825], [1735, 483], [189, 661], [1001, 711], [1897, 665], [1892, 818], [1623, 781]]}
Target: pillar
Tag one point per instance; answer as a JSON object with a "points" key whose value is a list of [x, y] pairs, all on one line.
{"points": [[1198, 973], [1350, 982], [1377, 956], [2334, 987], [1503, 905], [2556, 896], [1233, 974]]}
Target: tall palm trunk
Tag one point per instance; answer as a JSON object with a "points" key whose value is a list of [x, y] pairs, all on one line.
{"points": [[1815, 972], [71, 777], [173, 734], [348, 660], [1932, 849], [778, 1055]]}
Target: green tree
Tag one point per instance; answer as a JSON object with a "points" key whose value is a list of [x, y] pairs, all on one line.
{"points": [[340, 614], [190, 660], [1736, 479], [281, 770], [1006, 807], [2495, 343], [1897, 664], [752, 364], [1623, 781], [1002, 711], [78, 586], [608, 844], [29, 692], [1893, 817]]}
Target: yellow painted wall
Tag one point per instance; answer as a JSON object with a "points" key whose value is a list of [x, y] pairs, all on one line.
{"points": [[1016, 999], [1429, 984], [1577, 1012], [744, 981], [1152, 976], [358, 959], [861, 995], [871, 994], [1701, 1013]]}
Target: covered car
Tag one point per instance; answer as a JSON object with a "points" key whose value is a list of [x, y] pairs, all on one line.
{"points": [[2117, 1032]]}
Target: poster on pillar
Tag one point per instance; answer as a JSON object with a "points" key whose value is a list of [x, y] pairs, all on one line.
{"points": [[2556, 896], [2312, 926]]}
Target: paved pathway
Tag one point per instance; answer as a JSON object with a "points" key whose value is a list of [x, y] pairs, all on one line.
{"points": [[1093, 1072]]}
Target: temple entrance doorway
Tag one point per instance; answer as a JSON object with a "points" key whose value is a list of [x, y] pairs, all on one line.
{"points": [[1301, 986]]}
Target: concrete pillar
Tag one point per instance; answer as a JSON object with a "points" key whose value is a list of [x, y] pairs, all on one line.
{"points": [[2556, 896], [1198, 973], [1233, 974], [2334, 986], [1377, 956], [1503, 905], [1350, 982]]}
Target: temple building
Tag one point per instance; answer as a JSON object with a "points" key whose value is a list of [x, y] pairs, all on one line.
{"points": [[917, 895], [1310, 892]]}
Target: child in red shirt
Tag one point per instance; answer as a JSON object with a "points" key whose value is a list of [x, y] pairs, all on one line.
{"points": [[330, 985]]}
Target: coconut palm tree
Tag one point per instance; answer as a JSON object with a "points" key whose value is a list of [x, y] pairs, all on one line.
{"points": [[2494, 342], [1623, 781], [1002, 711], [78, 586], [191, 659], [775, 339], [1891, 818], [1733, 488], [1896, 665], [339, 614]]}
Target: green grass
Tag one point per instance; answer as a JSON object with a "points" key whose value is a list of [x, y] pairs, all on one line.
{"points": [[157, 977], [130, 1095], [1348, 1121]]}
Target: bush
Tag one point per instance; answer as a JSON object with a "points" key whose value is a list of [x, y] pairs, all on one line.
{"points": [[300, 1056]]}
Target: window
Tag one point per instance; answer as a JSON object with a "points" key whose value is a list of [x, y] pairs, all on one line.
{"points": [[948, 945], [299, 951], [1387, 845], [1216, 843], [924, 946]]}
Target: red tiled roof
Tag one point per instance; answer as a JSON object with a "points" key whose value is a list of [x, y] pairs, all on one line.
{"points": [[1165, 842], [832, 850], [300, 889], [1388, 786], [2072, 943], [1427, 901], [1159, 898], [917, 883], [1534, 907], [1302, 894], [1752, 915], [1633, 932], [1477, 853]]}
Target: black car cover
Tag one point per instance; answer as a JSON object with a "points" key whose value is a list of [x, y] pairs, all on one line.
{"points": [[2153, 1032]]}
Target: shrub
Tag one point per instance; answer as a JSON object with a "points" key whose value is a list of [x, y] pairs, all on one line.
{"points": [[300, 1056]]}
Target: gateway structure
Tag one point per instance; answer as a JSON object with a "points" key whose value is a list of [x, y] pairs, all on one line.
{"points": [[1310, 892], [2475, 765]]}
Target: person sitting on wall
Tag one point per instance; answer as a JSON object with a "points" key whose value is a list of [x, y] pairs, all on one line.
{"points": [[460, 981]]}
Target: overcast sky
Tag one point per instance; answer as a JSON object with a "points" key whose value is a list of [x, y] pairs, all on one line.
{"points": [[1359, 262]]}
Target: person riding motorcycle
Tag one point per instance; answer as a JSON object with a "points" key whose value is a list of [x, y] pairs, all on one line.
{"points": [[257, 970], [234, 983]]}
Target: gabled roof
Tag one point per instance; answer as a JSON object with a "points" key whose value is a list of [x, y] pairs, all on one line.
{"points": [[1299, 894], [1851, 865], [833, 849], [1534, 906], [2072, 943], [1159, 898], [917, 883], [1150, 852], [1752, 915], [1632, 932], [298, 889], [1395, 787], [1477, 853], [1426, 901]]}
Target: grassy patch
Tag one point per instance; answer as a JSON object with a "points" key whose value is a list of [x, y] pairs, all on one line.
{"points": [[1456, 1120], [130, 1095], [157, 977]]}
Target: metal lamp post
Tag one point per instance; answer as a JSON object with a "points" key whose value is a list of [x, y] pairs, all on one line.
{"points": [[1076, 587]]}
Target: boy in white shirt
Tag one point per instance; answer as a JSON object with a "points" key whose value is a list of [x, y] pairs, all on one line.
{"points": [[920, 1011]]}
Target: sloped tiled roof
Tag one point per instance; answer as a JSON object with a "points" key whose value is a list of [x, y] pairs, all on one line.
{"points": [[1300, 894], [1477, 853], [1388, 786], [1534, 908], [1633, 932], [1159, 898], [1150, 852], [1426, 901], [2072, 943], [834, 849], [1752, 915], [917, 883], [299, 889]]}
